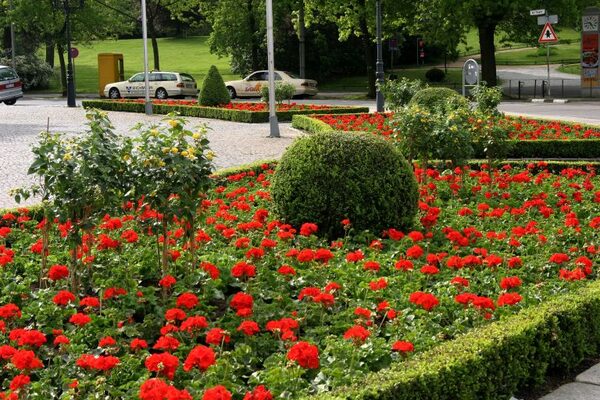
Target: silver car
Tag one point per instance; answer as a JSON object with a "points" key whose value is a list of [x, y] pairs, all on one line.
{"points": [[11, 87], [162, 86]]}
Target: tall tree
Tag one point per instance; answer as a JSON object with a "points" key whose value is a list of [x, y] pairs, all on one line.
{"points": [[357, 18]]}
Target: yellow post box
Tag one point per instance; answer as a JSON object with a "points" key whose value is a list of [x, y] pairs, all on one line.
{"points": [[110, 69]]}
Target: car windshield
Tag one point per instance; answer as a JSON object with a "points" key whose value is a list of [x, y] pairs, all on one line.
{"points": [[7, 74], [292, 75]]}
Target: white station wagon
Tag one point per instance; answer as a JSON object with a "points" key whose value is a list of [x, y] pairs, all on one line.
{"points": [[162, 86], [250, 86], [11, 87]]}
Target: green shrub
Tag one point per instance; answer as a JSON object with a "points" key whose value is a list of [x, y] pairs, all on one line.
{"points": [[488, 99], [213, 91], [328, 177], [34, 73], [398, 93], [443, 132], [311, 125], [435, 75], [431, 98], [283, 91]]}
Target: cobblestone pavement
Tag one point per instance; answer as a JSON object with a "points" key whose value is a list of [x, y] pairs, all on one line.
{"points": [[234, 143]]}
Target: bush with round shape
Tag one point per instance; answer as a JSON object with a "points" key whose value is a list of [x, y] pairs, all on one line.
{"points": [[432, 98], [328, 177], [213, 91], [435, 75]]}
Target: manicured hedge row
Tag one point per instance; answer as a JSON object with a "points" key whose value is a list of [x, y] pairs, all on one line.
{"points": [[494, 361], [310, 125], [573, 148], [214, 112]]}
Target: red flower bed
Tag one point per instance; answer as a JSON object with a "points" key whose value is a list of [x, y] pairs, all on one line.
{"points": [[240, 106], [520, 128], [270, 309]]}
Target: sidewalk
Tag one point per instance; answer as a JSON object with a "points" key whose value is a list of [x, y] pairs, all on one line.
{"points": [[585, 387]]}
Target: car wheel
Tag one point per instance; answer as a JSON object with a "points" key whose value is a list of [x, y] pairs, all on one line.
{"points": [[114, 93], [161, 94], [10, 102], [232, 92]]}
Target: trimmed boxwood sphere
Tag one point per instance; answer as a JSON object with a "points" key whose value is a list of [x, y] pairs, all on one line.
{"points": [[328, 177], [434, 97]]}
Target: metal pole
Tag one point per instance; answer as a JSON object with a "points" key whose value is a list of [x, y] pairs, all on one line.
{"points": [[379, 65], [302, 40], [70, 82], [148, 103], [274, 125], [12, 41], [548, 55]]}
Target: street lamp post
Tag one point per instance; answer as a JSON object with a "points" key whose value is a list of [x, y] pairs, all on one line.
{"points": [[70, 77], [274, 125], [380, 101], [13, 52], [147, 102]]}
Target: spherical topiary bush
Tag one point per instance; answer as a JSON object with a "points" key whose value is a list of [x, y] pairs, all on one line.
{"points": [[328, 177], [213, 92], [431, 98]]}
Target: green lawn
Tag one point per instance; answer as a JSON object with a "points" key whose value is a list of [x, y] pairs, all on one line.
{"points": [[471, 45], [189, 55], [571, 69], [560, 53]]}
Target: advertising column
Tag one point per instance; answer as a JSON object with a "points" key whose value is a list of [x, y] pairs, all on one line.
{"points": [[590, 80]]}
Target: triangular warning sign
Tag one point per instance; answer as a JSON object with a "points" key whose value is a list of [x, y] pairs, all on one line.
{"points": [[548, 35]]}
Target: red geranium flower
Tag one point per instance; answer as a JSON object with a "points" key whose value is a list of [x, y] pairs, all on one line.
{"points": [[425, 300], [187, 300], [80, 319], [308, 229], [217, 337], [164, 364], [403, 347], [193, 324], [217, 393], [305, 354], [249, 328], [58, 272], [26, 360], [201, 357], [358, 334], [63, 298], [19, 381], [242, 303], [259, 393]]}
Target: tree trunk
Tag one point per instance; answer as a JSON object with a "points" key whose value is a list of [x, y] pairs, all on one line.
{"points": [[302, 40], [6, 38], [63, 69], [487, 31], [254, 47], [155, 52], [369, 50], [50, 54]]}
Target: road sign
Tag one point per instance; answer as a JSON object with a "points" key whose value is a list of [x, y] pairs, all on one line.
{"points": [[74, 52], [548, 35], [534, 13], [543, 20]]}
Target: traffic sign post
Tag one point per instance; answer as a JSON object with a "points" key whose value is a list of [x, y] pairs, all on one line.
{"points": [[548, 36], [470, 75]]}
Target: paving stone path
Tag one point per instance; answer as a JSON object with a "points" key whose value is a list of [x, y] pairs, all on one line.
{"points": [[234, 143]]}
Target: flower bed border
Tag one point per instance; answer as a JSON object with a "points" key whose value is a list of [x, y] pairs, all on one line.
{"points": [[571, 148], [215, 112], [494, 361], [489, 362]]}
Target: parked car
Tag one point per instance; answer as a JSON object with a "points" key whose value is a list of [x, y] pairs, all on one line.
{"points": [[11, 87], [250, 86], [162, 86]]}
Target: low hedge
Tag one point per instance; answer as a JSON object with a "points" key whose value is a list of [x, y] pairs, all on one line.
{"points": [[496, 360], [214, 112], [310, 125]]}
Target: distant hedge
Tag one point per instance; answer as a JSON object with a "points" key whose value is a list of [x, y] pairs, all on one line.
{"points": [[214, 112]]}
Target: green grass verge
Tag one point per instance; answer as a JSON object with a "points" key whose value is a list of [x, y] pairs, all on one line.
{"points": [[494, 361], [559, 54], [191, 55], [213, 112], [574, 69]]}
